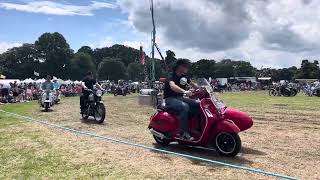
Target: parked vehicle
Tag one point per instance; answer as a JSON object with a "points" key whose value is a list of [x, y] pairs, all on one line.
{"points": [[121, 90], [216, 127], [47, 99], [57, 97], [94, 106], [283, 91]]}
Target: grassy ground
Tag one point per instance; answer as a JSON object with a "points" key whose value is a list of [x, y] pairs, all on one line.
{"points": [[284, 139]]}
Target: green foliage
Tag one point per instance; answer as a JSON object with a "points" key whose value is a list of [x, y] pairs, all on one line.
{"points": [[135, 71], [112, 69], [81, 63], [55, 53], [51, 54], [20, 61]]}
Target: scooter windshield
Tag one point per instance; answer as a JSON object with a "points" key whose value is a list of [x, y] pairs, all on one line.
{"points": [[202, 82]]}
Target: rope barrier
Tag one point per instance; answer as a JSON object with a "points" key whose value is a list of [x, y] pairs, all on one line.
{"points": [[90, 134]]}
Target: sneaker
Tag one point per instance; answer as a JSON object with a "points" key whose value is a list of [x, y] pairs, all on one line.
{"points": [[186, 136]]}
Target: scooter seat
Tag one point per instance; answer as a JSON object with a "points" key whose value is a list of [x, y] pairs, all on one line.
{"points": [[164, 108]]}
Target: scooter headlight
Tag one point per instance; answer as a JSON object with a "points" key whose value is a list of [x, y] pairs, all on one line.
{"points": [[99, 93]]}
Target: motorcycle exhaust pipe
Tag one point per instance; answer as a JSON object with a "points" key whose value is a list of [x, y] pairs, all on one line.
{"points": [[157, 134]]}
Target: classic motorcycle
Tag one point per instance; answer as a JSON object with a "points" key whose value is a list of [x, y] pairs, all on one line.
{"points": [[94, 106], [47, 99], [283, 91], [215, 127], [121, 90], [57, 96]]}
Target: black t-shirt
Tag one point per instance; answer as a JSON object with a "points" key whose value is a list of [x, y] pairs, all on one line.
{"points": [[89, 83], [168, 92]]}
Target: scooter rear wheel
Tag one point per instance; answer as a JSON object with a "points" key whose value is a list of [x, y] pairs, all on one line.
{"points": [[228, 144]]}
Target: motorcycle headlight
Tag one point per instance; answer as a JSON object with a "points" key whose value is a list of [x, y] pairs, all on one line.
{"points": [[91, 97], [99, 93]]}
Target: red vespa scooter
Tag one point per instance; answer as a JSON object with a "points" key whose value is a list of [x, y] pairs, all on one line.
{"points": [[216, 126]]}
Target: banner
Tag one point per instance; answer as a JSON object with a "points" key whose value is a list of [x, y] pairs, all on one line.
{"points": [[36, 73], [142, 56]]}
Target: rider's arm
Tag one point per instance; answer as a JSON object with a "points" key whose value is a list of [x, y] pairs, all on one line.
{"points": [[178, 89], [194, 86], [83, 85]]}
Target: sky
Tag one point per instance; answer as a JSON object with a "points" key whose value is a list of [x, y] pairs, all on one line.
{"points": [[267, 33]]}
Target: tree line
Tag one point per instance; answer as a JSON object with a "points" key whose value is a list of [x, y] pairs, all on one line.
{"points": [[51, 54]]}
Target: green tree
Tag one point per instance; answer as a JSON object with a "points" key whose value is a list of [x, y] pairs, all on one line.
{"points": [[224, 69], [203, 68], [170, 59], [112, 69], [243, 69], [81, 63], [55, 53], [135, 71], [20, 62], [309, 70]]}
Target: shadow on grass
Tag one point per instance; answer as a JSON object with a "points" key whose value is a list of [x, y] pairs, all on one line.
{"points": [[207, 154]]}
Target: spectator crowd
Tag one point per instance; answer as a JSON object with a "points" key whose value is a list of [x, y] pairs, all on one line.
{"points": [[15, 92]]}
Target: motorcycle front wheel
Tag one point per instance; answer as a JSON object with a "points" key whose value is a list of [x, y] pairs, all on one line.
{"points": [[100, 113], [228, 144]]}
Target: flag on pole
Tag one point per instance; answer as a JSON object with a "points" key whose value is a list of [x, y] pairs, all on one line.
{"points": [[142, 56], [36, 73]]}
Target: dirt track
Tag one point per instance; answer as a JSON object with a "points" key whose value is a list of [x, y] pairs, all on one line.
{"points": [[281, 141]]}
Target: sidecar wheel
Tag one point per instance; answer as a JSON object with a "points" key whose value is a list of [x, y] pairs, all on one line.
{"points": [[228, 144]]}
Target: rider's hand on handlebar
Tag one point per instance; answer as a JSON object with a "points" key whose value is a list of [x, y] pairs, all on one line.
{"points": [[188, 93]]}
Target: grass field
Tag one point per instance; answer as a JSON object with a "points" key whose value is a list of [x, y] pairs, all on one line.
{"points": [[284, 139]]}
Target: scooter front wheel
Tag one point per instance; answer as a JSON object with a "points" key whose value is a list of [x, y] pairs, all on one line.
{"points": [[228, 144]]}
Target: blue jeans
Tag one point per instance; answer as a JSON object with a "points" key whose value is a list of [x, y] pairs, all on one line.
{"points": [[183, 107]]}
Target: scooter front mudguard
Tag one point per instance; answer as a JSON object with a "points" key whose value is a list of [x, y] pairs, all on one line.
{"points": [[225, 126], [241, 119], [164, 122]]}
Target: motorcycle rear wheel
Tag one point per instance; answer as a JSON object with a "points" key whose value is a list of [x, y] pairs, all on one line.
{"points": [[228, 144]]}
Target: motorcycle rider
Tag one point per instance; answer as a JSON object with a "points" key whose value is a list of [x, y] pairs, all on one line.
{"points": [[87, 83], [47, 85], [174, 89], [56, 85]]}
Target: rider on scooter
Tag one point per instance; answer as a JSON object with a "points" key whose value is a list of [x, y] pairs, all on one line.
{"points": [[87, 83], [174, 89], [47, 85]]}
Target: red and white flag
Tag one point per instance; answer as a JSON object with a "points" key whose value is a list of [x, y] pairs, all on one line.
{"points": [[142, 56]]}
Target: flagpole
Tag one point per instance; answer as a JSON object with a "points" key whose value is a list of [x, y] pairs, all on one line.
{"points": [[152, 70]]}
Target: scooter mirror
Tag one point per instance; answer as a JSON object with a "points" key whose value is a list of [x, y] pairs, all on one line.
{"points": [[183, 81]]}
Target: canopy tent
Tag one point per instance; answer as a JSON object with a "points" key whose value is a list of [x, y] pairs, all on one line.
{"points": [[29, 80], [40, 80], [68, 82], [8, 81], [306, 80], [264, 78]]}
